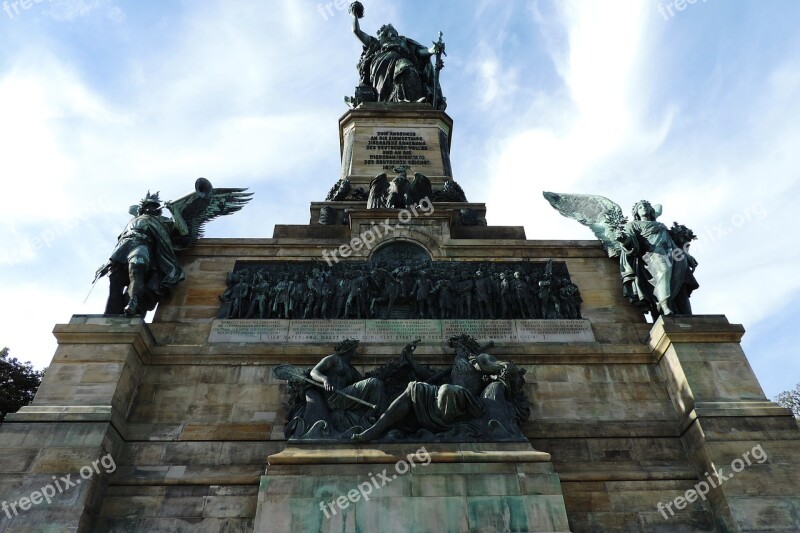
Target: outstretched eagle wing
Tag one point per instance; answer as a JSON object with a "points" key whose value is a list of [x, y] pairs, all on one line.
{"points": [[420, 188], [378, 188], [204, 205], [598, 213]]}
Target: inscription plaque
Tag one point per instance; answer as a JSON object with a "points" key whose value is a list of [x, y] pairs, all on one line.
{"points": [[396, 148], [325, 330], [398, 331], [403, 331], [554, 331], [249, 331], [496, 330], [379, 149]]}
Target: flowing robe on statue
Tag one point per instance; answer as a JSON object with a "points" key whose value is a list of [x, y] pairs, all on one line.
{"points": [[397, 72], [650, 259], [439, 408]]}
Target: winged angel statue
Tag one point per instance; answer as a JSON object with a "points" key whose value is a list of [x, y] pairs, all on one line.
{"points": [[143, 268], [656, 268]]}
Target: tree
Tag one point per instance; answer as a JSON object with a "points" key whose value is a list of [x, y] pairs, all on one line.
{"points": [[18, 383], [791, 400]]}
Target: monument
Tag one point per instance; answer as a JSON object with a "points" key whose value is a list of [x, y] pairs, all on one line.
{"points": [[399, 364]]}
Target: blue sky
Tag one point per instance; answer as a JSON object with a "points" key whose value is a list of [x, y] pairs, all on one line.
{"points": [[699, 110]]}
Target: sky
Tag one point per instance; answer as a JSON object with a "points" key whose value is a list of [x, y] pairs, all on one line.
{"points": [[695, 106]]}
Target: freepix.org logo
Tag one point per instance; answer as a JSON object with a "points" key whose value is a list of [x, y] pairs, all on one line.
{"points": [[712, 481], [378, 481], [12, 9], [58, 486], [368, 238]]}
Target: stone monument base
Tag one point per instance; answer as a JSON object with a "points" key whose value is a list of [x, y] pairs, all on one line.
{"points": [[411, 488]]}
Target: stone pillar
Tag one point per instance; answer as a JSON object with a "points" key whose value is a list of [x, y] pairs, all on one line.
{"points": [[745, 448], [76, 421]]}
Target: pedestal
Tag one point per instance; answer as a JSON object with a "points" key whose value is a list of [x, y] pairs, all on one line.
{"points": [[411, 488], [377, 137]]}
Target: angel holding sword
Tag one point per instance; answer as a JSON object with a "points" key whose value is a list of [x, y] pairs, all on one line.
{"points": [[394, 68]]}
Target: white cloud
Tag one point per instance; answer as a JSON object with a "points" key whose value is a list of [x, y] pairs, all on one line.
{"points": [[31, 338], [596, 119], [70, 10], [39, 99], [214, 106]]}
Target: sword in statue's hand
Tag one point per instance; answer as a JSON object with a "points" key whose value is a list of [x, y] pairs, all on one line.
{"points": [[439, 51]]}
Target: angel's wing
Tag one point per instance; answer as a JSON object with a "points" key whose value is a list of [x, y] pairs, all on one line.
{"points": [[420, 188], [599, 214], [378, 188], [206, 204]]}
